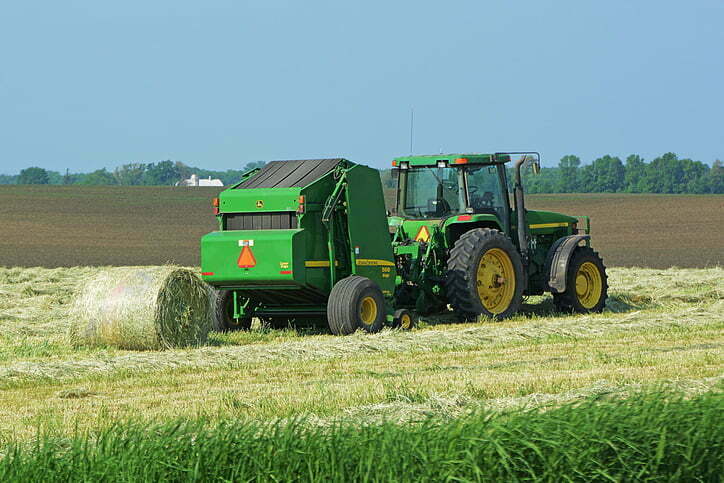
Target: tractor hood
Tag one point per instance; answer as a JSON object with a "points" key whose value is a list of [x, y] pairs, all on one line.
{"points": [[548, 220]]}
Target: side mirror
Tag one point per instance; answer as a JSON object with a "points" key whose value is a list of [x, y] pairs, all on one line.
{"points": [[536, 166], [534, 163]]}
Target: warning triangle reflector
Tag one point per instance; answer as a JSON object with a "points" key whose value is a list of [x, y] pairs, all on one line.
{"points": [[423, 234], [246, 258]]}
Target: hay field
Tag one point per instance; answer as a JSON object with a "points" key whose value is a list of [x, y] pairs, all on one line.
{"points": [[65, 226], [661, 336], [662, 328]]}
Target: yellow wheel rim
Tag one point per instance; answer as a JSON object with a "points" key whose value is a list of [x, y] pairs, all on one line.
{"points": [[589, 285], [496, 281], [368, 310], [406, 321]]}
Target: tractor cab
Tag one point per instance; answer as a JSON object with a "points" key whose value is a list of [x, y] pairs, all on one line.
{"points": [[451, 189], [439, 187]]}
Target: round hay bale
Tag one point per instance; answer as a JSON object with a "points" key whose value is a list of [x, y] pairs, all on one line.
{"points": [[143, 308]]}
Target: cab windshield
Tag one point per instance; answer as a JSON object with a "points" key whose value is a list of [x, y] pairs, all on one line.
{"points": [[433, 193]]}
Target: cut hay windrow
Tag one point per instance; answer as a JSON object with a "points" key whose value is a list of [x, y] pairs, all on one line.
{"points": [[387, 341], [142, 309]]}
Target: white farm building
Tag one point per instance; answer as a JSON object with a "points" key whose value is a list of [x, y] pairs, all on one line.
{"points": [[194, 180]]}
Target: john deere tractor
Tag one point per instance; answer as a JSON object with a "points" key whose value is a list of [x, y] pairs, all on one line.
{"points": [[460, 240], [309, 241]]}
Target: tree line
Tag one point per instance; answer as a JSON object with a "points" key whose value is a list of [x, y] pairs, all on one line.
{"points": [[607, 174], [163, 173]]}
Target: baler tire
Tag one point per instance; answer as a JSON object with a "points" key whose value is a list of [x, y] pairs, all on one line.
{"points": [[570, 301], [225, 313], [461, 282], [346, 301], [404, 319]]}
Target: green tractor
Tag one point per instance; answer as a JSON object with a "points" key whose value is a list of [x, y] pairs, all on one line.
{"points": [[461, 241], [309, 241]]}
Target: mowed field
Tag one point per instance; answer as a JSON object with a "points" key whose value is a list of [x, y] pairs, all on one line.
{"points": [[54, 226], [534, 397], [633, 393]]}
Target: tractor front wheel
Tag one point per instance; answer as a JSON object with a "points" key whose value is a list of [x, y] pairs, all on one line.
{"points": [[484, 275], [355, 302], [404, 319], [586, 284], [225, 313]]}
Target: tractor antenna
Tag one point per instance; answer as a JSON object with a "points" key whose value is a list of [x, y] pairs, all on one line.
{"points": [[412, 122]]}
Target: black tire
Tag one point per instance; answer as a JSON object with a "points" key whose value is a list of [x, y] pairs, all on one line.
{"points": [[225, 313], [462, 274], [404, 319], [346, 302], [571, 300]]}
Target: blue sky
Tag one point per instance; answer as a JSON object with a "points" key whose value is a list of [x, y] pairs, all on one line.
{"points": [[216, 84]]}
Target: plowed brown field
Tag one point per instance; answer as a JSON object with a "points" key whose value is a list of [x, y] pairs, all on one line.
{"points": [[65, 226]]}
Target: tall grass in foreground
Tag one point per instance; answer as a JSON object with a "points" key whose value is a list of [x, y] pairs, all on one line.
{"points": [[648, 437]]}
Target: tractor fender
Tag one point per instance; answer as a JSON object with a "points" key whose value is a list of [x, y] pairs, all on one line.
{"points": [[557, 261]]}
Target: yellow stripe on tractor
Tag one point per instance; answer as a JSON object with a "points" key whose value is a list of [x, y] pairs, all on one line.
{"points": [[319, 264], [548, 225], [376, 263]]}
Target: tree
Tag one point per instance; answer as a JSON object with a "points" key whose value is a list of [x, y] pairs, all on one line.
{"points": [[635, 171], [663, 174], [693, 176], [162, 173], [544, 182], [99, 177], [54, 177], [254, 165], [715, 181], [33, 175], [669, 174], [608, 175], [130, 174], [585, 179], [568, 165]]}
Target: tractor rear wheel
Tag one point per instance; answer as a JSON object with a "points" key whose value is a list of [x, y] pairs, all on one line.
{"points": [[484, 275], [586, 284], [355, 302], [225, 313]]}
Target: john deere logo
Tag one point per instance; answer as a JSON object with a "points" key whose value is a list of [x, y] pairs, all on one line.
{"points": [[260, 203]]}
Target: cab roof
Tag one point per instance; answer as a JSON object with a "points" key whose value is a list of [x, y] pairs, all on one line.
{"points": [[451, 159]]}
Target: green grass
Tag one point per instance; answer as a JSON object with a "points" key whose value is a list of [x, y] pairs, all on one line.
{"points": [[653, 437]]}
